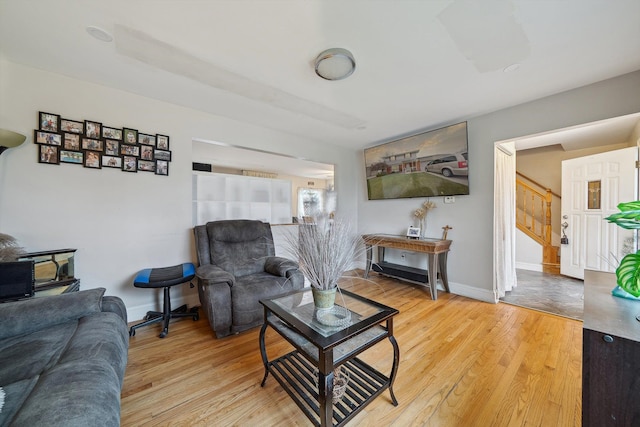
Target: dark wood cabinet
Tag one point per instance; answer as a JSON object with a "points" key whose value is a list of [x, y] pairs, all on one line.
{"points": [[611, 355]]}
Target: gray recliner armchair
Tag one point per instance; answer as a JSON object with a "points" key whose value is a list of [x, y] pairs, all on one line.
{"points": [[237, 267]]}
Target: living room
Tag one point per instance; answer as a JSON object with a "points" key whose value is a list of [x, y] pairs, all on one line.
{"points": [[121, 222]]}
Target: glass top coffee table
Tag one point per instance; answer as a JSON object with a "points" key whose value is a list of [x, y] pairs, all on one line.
{"points": [[327, 344]]}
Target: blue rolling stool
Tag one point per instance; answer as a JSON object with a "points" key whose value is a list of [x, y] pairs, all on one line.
{"points": [[165, 278]]}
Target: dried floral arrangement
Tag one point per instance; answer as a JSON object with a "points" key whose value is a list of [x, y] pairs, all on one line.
{"points": [[421, 212], [9, 248], [325, 250]]}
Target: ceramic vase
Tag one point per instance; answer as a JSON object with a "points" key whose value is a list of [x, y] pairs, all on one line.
{"points": [[324, 299]]}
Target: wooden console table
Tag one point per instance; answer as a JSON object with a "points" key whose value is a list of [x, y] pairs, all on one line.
{"points": [[436, 250]]}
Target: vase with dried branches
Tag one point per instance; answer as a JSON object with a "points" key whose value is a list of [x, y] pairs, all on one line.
{"points": [[325, 250]]}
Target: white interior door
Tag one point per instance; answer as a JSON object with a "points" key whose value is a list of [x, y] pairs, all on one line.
{"points": [[592, 187]]}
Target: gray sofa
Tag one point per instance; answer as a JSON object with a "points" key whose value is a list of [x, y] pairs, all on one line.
{"points": [[237, 267], [62, 360]]}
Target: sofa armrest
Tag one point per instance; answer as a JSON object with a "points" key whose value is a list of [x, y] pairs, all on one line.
{"points": [[210, 275], [279, 266], [115, 305], [23, 317]]}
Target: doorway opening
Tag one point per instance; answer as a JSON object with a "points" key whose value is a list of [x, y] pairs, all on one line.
{"points": [[540, 157]]}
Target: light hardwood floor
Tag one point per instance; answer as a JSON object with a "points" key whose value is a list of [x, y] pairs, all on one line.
{"points": [[463, 363]]}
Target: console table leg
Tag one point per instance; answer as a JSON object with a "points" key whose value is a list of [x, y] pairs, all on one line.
{"points": [[263, 353], [442, 268], [432, 275], [369, 261]]}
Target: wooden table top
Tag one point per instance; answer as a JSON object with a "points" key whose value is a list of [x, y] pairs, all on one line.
{"points": [[428, 245]]}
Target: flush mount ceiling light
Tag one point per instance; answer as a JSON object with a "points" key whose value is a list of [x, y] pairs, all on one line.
{"points": [[335, 64], [99, 34]]}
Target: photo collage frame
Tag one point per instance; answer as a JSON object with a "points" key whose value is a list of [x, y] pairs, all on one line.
{"points": [[96, 146]]}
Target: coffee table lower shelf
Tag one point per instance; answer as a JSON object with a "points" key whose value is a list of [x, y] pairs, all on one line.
{"points": [[298, 377]]}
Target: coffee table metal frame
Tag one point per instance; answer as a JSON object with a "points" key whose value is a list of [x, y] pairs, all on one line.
{"points": [[307, 373]]}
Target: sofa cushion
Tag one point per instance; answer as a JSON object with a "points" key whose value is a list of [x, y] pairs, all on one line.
{"points": [[80, 393], [102, 337], [26, 356], [23, 317]]}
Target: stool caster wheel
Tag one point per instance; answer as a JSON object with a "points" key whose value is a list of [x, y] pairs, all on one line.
{"points": [[196, 313], [163, 333], [132, 333]]}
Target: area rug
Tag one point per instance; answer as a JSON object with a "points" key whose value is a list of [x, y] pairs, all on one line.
{"points": [[551, 293]]}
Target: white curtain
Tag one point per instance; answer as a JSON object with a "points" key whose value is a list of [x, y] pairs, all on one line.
{"points": [[504, 219]]}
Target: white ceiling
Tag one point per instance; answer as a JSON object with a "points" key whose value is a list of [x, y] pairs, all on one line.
{"points": [[420, 64]]}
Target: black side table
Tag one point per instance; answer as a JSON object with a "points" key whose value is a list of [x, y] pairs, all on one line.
{"points": [[307, 373]]}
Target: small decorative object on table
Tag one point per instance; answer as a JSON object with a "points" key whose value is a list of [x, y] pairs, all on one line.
{"points": [[421, 215], [628, 272], [413, 232], [340, 381]]}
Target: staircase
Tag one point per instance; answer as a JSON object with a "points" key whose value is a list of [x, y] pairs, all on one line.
{"points": [[533, 217]]}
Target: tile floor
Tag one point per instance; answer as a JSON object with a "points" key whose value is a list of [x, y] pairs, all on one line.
{"points": [[546, 292]]}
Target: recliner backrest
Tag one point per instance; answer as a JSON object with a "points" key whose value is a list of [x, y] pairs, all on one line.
{"points": [[239, 246]]}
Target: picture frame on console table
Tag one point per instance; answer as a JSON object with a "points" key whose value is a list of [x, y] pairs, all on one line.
{"points": [[413, 232]]}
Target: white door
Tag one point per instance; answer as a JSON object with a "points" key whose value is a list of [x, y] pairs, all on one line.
{"points": [[592, 187]]}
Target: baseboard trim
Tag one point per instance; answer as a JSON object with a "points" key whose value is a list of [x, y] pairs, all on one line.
{"points": [[472, 292], [529, 266]]}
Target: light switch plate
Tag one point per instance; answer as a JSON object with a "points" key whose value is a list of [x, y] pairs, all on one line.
{"points": [[449, 199]]}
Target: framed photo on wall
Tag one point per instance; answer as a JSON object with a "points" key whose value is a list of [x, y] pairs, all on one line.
{"points": [[129, 136], [146, 139], [49, 154], [111, 147], [92, 129], [162, 142], [92, 160], [72, 126], [71, 141], [73, 157], [112, 133], [92, 144], [112, 162], [162, 155], [130, 150], [129, 164], [162, 167], [146, 165], [49, 122], [47, 138]]}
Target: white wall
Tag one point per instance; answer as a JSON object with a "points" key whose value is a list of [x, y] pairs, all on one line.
{"points": [[471, 269], [528, 252], [121, 222]]}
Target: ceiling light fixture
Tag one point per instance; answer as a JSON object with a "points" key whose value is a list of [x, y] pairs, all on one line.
{"points": [[99, 33], [335, 64]]}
